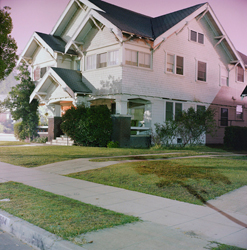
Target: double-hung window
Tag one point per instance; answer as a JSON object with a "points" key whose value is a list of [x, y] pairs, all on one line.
{"points": [[196, 37], [102, 60], [224, 117], [173, 111], [136, 58], [240, 74], [175, 64], [239, 112], [91, 62], [201, 71]]}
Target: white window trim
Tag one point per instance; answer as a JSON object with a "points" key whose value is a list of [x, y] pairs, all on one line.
{"points": [[197, 32], [236, 73], [221, 76], [107, 60], [198, 60], [138, 66], [175, 63]]}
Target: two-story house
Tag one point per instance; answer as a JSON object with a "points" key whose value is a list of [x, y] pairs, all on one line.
{"points": [[149, 68]]}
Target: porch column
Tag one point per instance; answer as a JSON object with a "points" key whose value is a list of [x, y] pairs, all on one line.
{"points": [[57, 112], [121, 107]]}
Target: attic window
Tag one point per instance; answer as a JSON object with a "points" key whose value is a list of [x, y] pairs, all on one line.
{"points": [[196, 37]]}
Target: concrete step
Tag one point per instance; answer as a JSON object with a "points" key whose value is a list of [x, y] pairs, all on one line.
{"points": [[64, 141]]}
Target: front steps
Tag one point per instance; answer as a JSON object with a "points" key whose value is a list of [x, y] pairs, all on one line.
{"points": [[63, 140]]}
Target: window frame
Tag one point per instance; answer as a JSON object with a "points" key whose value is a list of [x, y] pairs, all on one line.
{"points": [[138, 64], [175, 113], [175, 65], [95, 64], [197, 71], [237, 74], [239, 114], [224, 120], [197, 35]]}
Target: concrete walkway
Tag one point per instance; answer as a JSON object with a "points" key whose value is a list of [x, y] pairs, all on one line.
{"points": [[167, 224]]}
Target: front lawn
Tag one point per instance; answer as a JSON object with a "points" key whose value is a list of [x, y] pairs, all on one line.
{"points": [[12, 143], [34, 156], [57, 214], [194, 180]]}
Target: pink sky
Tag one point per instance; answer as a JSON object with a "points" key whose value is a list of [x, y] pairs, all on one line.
{"points": [[41, 15]]}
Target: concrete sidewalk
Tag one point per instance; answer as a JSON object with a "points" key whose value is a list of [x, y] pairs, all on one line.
{"points": [[167, 224]]}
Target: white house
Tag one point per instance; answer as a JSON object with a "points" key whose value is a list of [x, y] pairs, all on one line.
{"points": [[149, 68]]}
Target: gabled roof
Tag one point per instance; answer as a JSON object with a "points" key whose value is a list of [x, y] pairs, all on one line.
{"points": [[163, 23], [244, 58], [244, 93], [56, 43], [73, 79], [141, 25], [126, 20]]}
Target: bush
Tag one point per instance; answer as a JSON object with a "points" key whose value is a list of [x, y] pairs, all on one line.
{"points": [[20, 131], [113, 144], [88, 126], [40, 139], [235, 137]]}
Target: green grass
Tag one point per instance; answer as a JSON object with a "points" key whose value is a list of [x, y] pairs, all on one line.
{"points": [[59, 215], [190, 180], [225, 247], [12, 143], [150, 157], [42, 155]]}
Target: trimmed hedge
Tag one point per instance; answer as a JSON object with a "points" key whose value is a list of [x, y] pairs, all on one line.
{"points": [[236, 137], [88, 126]]}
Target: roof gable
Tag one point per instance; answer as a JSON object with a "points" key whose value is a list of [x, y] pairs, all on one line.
{"points": [[163, 23], [56, 43], [73, 79]]}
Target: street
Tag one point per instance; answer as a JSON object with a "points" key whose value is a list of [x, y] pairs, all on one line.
{"points": [[9, 242]]}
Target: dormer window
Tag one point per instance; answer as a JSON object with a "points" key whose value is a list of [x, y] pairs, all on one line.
{"points": [[196, 37]]}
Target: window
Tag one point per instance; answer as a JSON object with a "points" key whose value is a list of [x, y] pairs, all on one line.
{"points": [[136, 58], [178, 110], [179, 65], [113, 57], [224, 117], [102, 60], [223, 76], [131, 57], [196, 37], [175, 60], [78, 65], [239, 112], [170, 63], [144, 60], [91, 62], [200, 108], [240, 74], [39, 73], [201, 71], [170, 111]]}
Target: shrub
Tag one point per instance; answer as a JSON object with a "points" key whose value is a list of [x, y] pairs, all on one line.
{"points": [[40, 139], [88, 126], [235, 137], [113, 144], [20, 131]]}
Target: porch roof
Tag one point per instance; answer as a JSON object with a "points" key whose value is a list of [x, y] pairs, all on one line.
{"points": [[74, 79], [244, 93]]}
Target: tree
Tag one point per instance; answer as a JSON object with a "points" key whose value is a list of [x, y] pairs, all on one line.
{"points": [[19, 106], [8, 45]]}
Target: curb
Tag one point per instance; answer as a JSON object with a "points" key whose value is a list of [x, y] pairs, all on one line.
{"points": [[34, 236]]}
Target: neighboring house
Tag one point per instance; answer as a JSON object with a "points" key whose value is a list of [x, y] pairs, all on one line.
{"points": [[149, 68]]}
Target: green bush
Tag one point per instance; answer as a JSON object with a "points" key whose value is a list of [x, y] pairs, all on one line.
{"points": [[113, 144], [88, 126], [235, 137], [40, 139], [20, 131]]}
